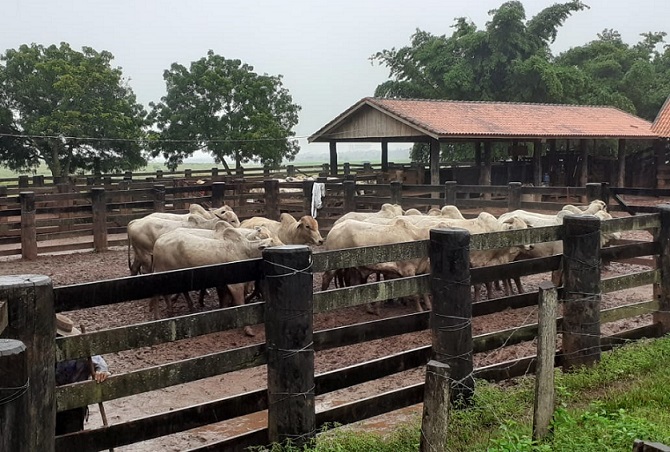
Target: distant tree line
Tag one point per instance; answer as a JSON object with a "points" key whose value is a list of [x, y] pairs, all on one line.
{"points": [[75, 112], [510, 60]]}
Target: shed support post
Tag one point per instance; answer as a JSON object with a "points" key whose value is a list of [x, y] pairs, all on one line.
{"points": [[28, 231], [581, 291], [451, 316], [584, 154], [290, 348], [346, 169], [662, 289], [485, 174], [537, 163], [99, 206], [272, 210], [434, 162], [333, 158], [30, 300], [621, 163], [385, 156]]}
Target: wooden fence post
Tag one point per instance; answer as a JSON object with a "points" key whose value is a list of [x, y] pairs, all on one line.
{"points": [[28, 230], [215, 174], [124, 198], [396, 192], [31, 321], [272, 210], [24, 182], [514, 196], [99, 208], [159, 174], [662, 289], [128, 176], [159, 198], [307, 186], [451, 316], [38, 180], [581, 291], [594, 191], [605, 193], [288, 335], [367, 167], [188, 173], [64, 217], [240, 191], [349, 188], [435, 420], [450, 192], [13, 397], [543, 409], [290, 171], [346, 168], [4, 226], [218, 194]]}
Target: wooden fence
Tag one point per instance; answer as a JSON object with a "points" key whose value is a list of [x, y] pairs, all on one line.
{"points": [[287, 274], [34, 223]]}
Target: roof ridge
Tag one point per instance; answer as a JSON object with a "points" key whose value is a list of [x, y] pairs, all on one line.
{"points": [[548, 104]]}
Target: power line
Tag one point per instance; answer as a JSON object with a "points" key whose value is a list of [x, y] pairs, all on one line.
{"points": [[142, 140]]}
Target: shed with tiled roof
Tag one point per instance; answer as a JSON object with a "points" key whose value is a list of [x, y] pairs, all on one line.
{"points": [[436, 121]]}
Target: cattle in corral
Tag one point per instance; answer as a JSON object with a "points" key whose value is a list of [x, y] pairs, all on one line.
{"points": [[180, 249], [415, 212], [386, 211], [289, 230], [143, 233], [194, 209]]}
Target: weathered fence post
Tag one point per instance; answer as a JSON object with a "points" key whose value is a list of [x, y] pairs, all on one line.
{"points": [[13, 397], [662, 289], [64, 217], [159, 174], [396, 192], [4, 226], [543, 409], [605, 193], [38, 180], [594, 191], [435, 420], [218, 194], [31, 321], [514, 196], [99, 211], [307, 186], [215, 174], [346, 168], [125, 198], [159, 198], [272, 210], [24, 182], [450, 192], [367, 167], [581, 291], [240, 192], [290, 350], [188, 173], [325, 169], [128, 176], [290, 170], [451, 316], [349, 203], [28, 230]]}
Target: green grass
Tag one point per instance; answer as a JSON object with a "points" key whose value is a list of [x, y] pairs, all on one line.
{"points": [[604, 408]]}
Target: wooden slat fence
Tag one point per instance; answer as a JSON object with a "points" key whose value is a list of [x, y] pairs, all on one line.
{"points": [[168, 330]]}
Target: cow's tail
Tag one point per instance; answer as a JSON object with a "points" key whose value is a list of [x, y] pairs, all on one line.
{"points": [[130, 264]]}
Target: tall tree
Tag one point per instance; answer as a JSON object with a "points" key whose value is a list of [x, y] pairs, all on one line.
{"points": [[68, 109], [223, 107]]}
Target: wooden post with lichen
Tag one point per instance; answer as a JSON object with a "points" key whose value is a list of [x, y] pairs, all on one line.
{"points": [[99, 212], [28, 230], [543, 409]]}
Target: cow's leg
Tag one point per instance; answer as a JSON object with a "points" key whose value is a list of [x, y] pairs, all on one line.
{"points": [[189, 301], [477, 289], [225, 298], [508, 287], [519, 287], [153, 306], [497, 284], [489, 289], [201, 297], [237, 294], [327, 278]]}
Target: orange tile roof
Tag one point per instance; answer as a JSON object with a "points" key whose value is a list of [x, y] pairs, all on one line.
{"points": [[444, 119], [661, 125]]}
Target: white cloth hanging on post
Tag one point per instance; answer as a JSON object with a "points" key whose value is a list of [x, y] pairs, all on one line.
{"points": [[318, 192]]}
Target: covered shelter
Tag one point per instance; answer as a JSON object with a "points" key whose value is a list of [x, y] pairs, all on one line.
{"points": [[483, 123], [661, 127]]}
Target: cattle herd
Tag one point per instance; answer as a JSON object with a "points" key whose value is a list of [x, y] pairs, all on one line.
{"points": [[163, 241]]}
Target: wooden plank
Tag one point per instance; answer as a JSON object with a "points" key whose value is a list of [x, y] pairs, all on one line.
{"points": [[237, 443], [496, 339], [152, 333], [480, 203], [365, 293], [507, 239], [157, 377], [544, 205], [630, 223], [615, 283], [166, 423], [628, 311], [500, 304], [620, 252], [514, 269], [369, 331], [354, 257], [99, 293]]}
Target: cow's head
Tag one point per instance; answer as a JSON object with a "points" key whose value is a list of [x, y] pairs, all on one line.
{"points": [[230, 217], [308, 231]]}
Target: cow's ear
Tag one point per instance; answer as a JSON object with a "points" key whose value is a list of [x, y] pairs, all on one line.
{"points": [[262, 246]]}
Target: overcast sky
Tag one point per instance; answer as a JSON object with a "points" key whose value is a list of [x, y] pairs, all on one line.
{"points": [[321, 48]]}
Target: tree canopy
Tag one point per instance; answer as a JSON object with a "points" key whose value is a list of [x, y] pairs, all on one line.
{"points": [[68, 109], [223, 107], [511, 60]]}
